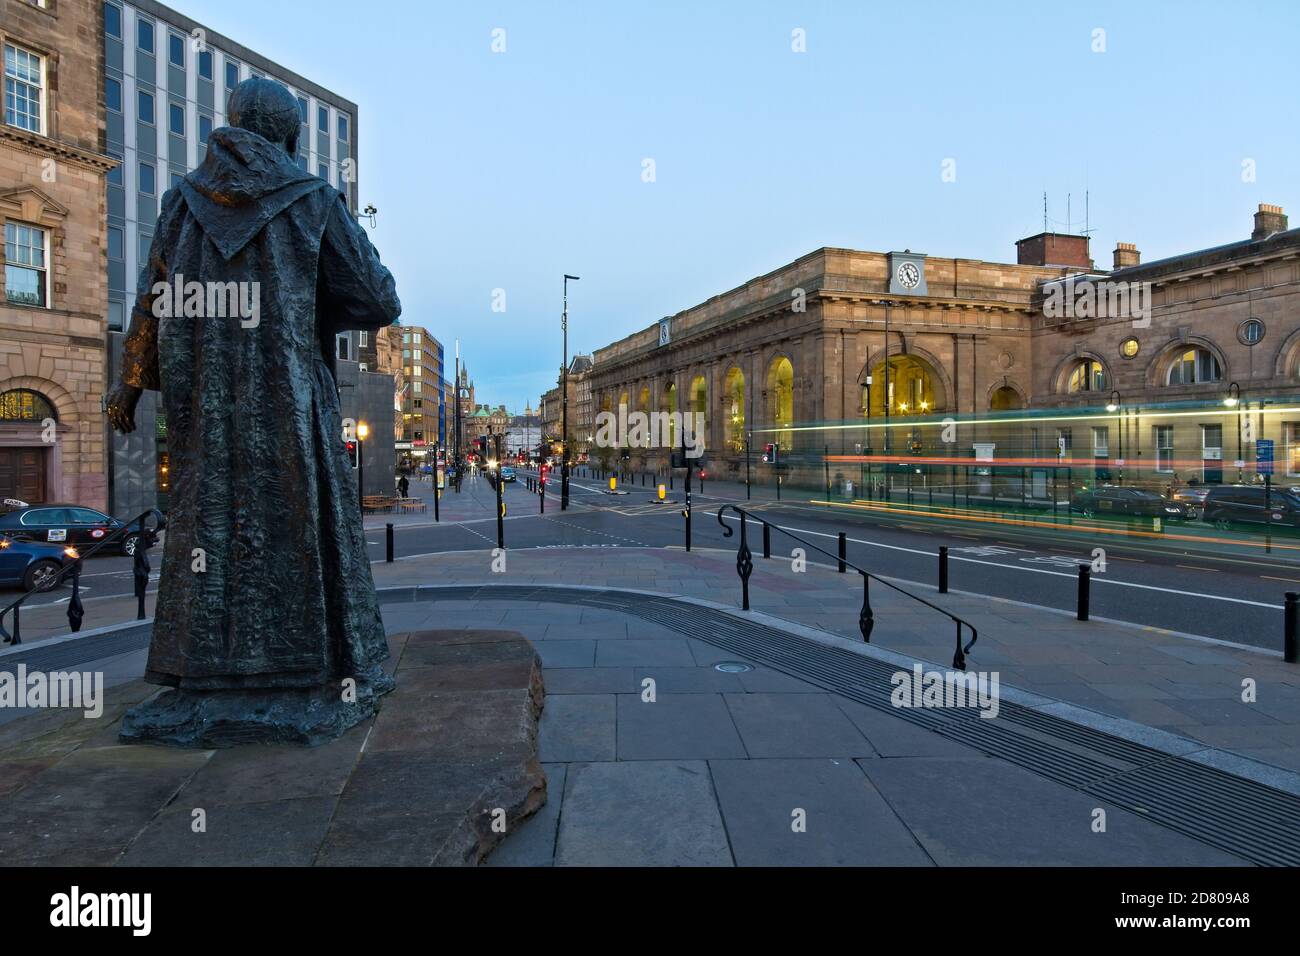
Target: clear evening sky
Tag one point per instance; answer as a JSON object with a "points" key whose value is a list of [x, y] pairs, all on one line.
{"points": [[506, 170]]}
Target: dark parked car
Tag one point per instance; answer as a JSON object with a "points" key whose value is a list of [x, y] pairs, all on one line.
{"points": [[1110, 500], [63, 525], [30, 565], [1193, 497], [1226, 505]]}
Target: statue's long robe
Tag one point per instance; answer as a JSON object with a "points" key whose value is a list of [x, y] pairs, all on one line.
{"points": [[280, 593]]}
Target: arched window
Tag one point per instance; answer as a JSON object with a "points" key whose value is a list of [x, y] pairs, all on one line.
{"points": [[24, 405], [1088, 375], [733, 410], [780, 399], [1005, 399], [1194, 366]]}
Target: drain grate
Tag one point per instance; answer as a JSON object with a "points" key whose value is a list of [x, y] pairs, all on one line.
{"points": [[1239, 816]]}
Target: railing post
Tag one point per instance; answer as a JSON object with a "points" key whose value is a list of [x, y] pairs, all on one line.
{"points": [[1289, 641], [1085, 583], [844, 551], [744, 562], [388, 543], [866, 617], [959, 658], [767, 540], [18, 626], [943, 573], [141, 568], [75, 610]]}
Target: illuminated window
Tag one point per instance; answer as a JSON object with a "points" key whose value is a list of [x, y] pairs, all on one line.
{"points": [[1194, 366], [1087, 376]]}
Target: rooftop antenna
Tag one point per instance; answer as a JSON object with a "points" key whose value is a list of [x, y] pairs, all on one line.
{"points": [[1067, 215], [1044, 210]]}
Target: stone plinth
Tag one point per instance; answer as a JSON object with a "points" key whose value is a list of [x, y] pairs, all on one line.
{"points": [[452, 752]]}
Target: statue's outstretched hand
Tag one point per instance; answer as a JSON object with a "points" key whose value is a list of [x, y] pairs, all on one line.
{"points": [[121, 407]]}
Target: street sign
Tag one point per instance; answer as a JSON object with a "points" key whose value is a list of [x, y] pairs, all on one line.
{"points": [[1264, 456]]}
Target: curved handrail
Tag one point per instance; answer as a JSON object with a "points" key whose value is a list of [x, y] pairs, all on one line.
{"points": [[866, 620], [148, 538]]}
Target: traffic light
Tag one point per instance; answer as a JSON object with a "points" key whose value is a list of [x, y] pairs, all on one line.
{"points": [[352, 452], [772, 453]]}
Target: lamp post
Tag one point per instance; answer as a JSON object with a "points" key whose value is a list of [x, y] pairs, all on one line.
{"points": [[1113, 406], [564, 399], [1233, 400], [362, 431]]}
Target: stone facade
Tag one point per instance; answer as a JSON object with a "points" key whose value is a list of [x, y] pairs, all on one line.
{"points": [[795, 347], [798, 356], [52, 180]]}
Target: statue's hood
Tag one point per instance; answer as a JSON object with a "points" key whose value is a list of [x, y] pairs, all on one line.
{"points": [[243, 183]]}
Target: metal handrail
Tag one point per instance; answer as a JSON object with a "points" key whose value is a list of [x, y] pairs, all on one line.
{"points": [[140, 567], [866, 617]]}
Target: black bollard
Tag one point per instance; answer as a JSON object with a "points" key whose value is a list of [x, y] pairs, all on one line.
{"points": [[388, 549], [767, 541], [1085, 584], [844, 551], [943, 569], [437, 498], [1292, 624]]}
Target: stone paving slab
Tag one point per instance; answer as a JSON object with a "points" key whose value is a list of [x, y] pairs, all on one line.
{"points": [[1170, 682], [416, 785]]}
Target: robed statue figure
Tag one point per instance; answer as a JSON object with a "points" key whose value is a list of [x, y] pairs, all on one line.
{"points": [[267, 624]]}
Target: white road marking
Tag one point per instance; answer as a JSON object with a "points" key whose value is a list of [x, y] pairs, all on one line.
{"points": [[1015, 567]]}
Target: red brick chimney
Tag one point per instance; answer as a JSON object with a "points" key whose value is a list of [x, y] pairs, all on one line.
{"points": [[1126, 254], [1054, 249], [1268, 220]]}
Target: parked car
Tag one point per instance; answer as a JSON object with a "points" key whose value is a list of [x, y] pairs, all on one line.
{"points": [[1226, 505], [65, 524], [31, 565], [1109, 499], [1192, 498]]}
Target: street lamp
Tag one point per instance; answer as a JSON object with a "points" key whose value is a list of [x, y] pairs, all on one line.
{"points": [[1233, 400], [1113, 406], [362, 431], [564, 399]]}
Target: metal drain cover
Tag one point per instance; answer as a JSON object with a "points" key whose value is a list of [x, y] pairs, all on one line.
{"points": [[733, 667]]}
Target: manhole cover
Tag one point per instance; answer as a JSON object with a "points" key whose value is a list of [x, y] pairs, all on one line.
{"points": [[733, 667]]}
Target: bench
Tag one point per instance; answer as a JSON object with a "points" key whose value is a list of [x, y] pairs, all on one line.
{"points": [[378, 503], [411, 504]]}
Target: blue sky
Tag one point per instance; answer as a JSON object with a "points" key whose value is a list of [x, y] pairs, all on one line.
{"points": [[506, 170]]}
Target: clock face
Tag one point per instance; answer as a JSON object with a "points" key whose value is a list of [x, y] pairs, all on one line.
{"points": [[909, 276]]}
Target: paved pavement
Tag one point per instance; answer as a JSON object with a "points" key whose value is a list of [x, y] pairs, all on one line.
{"points": [[759, 768], [762, 767]]}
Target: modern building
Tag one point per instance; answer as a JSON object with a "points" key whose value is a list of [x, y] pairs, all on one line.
{"points": [[424, 408], [53, 166], [867, 357], [165, 81]]}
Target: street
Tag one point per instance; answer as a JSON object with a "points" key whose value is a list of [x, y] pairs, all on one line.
{"points": [[1229, 598]]}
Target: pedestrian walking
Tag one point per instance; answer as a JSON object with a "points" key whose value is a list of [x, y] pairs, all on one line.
{"points": [[403, 486]]}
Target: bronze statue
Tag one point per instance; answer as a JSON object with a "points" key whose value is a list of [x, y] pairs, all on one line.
{"points": [[266, 624]]}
